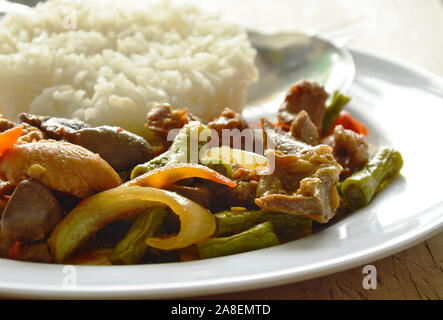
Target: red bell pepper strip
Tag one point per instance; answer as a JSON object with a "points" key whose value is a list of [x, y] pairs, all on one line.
{"points": [[348, 122]]}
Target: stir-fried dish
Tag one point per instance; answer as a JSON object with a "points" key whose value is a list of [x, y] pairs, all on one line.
{"points": [[78, 194]]}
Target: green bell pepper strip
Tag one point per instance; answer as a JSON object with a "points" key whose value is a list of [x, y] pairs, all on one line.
{"points": [[258, 237], [229, 222], [133, 246], [225, 169], [338, 103], [359, 189]]}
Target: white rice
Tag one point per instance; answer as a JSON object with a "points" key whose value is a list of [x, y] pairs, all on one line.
{"points": [[108, 62]]}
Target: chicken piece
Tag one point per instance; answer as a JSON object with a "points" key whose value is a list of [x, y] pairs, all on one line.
{"points": [[243, 195], [230, 127], [229, 120], [32, 212], [61, 166], [315, 197], [304, 180], [29, 134], [163, 118], [303, 129], [277, 139], [304, 95], [350, 149]]}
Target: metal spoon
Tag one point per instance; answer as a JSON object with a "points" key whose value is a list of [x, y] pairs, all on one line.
{"points": [[8, 6], [285, 58]]}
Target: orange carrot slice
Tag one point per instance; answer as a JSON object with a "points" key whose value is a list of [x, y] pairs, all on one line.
{"points": [[9, 138]]}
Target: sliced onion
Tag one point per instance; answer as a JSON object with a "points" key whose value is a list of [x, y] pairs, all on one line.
{"points": [[165, 176], [94, 213], [244, 159]]}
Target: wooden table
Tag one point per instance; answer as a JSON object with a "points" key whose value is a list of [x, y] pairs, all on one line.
{"points": [[412, 30]]}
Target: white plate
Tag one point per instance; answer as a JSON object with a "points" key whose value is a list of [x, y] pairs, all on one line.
{"points": [[403, 106]]}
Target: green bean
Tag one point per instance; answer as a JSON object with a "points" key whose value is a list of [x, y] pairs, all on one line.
{"points": [[338, 103], [359, 189], [133, 246], [221, 167], [258, 237], [229, 222], [171, 156], [158, 162], [180, 150]]}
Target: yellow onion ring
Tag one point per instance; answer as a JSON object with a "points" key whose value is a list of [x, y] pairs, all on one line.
{"points": [[244, 159], [165, 176], [94, 213]]}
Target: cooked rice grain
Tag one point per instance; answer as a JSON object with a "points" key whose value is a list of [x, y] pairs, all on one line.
{"points": [[108, 62]]}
